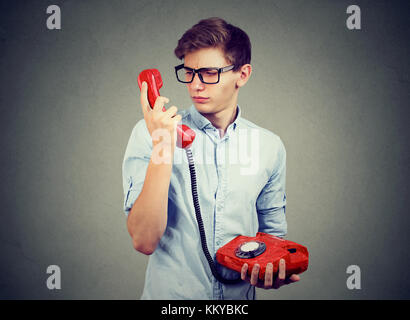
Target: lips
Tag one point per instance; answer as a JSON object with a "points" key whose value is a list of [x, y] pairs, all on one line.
{"points": [[199, 99]]}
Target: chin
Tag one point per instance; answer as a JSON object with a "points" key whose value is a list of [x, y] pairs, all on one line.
{"points": [[204, 108]]}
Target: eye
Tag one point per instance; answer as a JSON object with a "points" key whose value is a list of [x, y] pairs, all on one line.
{"points": [[211, 73]]}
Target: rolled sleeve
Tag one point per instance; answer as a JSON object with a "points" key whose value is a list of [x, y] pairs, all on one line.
{"points": [[271, 202], [135, 163]]}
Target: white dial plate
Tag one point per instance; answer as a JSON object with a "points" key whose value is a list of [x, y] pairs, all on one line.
{"points": [[249, 246]]}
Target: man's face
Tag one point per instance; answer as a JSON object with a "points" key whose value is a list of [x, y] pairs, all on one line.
{"points": [[212, 98]]}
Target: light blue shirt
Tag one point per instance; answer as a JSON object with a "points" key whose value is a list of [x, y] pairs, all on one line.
{"points": [[241, 188]]}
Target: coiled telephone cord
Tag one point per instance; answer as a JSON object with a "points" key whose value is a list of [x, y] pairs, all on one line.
{"points": [[201, 224]]}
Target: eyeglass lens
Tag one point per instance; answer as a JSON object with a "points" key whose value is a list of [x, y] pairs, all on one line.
{"points": [[207, 75]]}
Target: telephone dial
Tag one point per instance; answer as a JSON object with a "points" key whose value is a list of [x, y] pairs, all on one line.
{"points": [[261, 249]]}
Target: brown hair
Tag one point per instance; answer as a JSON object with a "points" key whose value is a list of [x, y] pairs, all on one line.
{"points": [[216, 33]]}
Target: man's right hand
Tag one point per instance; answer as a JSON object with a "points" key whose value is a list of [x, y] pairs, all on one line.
{"points": [[161, 124], [148, 216]]}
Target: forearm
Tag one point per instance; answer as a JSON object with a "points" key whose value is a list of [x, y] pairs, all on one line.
{"points": [[147, 219]]}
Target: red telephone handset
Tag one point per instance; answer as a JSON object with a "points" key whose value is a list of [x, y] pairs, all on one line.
{"points": [[185, 135]]}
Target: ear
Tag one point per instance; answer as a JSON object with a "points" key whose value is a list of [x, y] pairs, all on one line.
{"points": [[244, 74]]}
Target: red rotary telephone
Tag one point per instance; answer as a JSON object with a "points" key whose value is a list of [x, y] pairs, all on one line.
{"points": [[262, 249]]}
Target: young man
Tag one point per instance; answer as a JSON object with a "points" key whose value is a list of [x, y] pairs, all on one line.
{"points": [[236, 196]]}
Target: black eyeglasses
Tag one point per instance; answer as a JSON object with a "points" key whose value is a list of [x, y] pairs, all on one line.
{"points": [[206, 75]]}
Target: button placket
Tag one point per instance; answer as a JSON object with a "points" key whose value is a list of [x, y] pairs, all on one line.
{"points": [[219, 203]]}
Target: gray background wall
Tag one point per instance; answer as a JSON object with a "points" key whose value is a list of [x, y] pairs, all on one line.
{"points": [[338, 99]]}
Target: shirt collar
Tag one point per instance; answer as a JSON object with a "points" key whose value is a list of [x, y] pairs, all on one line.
{"points": [[201, 122]]}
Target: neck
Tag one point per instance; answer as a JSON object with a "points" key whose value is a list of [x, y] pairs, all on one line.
{"points": [[222, 119]]}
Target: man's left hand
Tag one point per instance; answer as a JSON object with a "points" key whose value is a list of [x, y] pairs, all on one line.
{"points": [[270, 282]]}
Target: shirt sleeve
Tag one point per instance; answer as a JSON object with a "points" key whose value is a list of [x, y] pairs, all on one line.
{"points": [[135, 163], [271, 202]]}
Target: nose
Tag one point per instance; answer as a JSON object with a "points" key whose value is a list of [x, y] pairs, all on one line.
{"points": [[197, 83]]}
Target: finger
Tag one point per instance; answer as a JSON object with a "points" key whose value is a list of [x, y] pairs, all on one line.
{"points": [[176, 133], [282, 269], [280, 278], [255, 275], [292, 278], [159, 103], [177, 118], [268, 276], [144, 98], [171, 112], [244, 271]]}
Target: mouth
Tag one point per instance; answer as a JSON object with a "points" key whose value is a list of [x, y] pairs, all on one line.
{"points": [[199, 99]]}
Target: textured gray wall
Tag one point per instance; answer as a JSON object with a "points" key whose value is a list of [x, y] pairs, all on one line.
{"points": [[339, 100]]}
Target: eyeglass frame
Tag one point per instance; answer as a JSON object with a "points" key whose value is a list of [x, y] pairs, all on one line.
{"points": [[198, 71]]}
